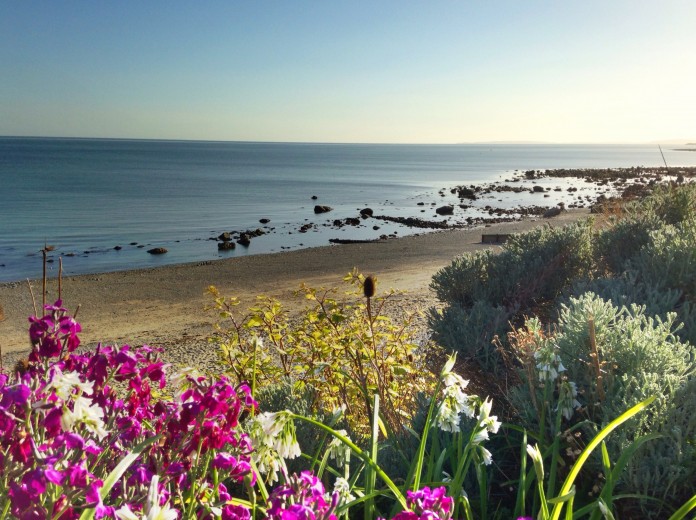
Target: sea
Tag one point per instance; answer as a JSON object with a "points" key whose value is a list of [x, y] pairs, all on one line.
{"points": [[101, 204]]}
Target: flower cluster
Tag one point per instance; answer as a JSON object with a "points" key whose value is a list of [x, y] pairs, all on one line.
{"points": [[274, 439], [567, 399], [455, 402], [64, 428], [427, 504], [302, 497]]}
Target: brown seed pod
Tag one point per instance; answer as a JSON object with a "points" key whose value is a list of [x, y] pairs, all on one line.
{"points": [[369, 286]]}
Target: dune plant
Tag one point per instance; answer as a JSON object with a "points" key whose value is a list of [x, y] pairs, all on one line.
{"points": [[606, 359], [342, 352], [482, 291]]}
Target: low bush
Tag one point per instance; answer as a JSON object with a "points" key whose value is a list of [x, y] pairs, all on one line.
{"points": [[610, 359], [341, 353], [482, 290]]}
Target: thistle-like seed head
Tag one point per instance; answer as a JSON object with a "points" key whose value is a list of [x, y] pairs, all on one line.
{"points": [[369, 286]]}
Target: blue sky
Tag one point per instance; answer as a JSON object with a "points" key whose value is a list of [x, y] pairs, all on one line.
{"points": [[441, 71]]}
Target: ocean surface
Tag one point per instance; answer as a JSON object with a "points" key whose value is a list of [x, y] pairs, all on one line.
{"points": [[102, 203]]}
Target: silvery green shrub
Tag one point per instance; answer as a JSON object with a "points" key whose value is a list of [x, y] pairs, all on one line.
{"points": [[640, 356], [470, 330], [483, 290]]}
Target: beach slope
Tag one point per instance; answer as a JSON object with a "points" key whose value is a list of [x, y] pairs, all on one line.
{"points": [[165, 306]]}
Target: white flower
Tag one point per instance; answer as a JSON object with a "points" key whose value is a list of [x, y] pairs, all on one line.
{"points": [[87, 414], [480, 436], [181, 379], [454, 402], [337, 450], [490, 422], [268, 462], [538, 459], [453, 379], [63, 384], [276, 430], [287, 446], [151, 509], [567, 401], [449, 365], [548, 363], [342, 488], [487, 457], [447, 416], [604, 510]]}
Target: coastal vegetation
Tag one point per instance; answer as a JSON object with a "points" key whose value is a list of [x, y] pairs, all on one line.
{"points": [[560, 383]]}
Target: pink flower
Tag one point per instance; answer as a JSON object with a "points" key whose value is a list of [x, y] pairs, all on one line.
{"points": [[302, 498], [427, 504], [232, 512]]}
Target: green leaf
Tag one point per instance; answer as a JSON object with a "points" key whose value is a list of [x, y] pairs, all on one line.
{"points": [[118, 471], [575, 470], [683, 510]]}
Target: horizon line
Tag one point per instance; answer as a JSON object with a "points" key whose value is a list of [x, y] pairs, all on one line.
{"points": [[683, 142]]}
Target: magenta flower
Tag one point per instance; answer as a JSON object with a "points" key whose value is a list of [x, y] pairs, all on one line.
{"points": [[427, 504], [302, 498], [232, 512], [60, 416]]}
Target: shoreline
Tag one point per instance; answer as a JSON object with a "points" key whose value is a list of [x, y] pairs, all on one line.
{"points": [[164, 306]]}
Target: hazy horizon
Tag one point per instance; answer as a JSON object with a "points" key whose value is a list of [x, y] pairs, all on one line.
{"points": [[388, 73]]}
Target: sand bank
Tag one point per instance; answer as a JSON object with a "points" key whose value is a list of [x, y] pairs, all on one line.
{"points": [[164, 306]]}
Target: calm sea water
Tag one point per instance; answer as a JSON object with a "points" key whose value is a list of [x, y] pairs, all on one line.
{"points": [[86, 196]]}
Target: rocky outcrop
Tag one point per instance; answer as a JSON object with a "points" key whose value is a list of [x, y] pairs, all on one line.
{"points": [[366, 212], [226, 246], [322, 209], [157, 251], [552, 212], [414, 222], [445, 210]]}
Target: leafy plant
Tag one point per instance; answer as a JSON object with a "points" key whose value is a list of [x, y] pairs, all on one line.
{"points": [[343, 353], [614, 358]]}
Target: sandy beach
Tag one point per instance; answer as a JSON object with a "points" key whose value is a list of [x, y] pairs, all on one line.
{"points": [[165, 306]]}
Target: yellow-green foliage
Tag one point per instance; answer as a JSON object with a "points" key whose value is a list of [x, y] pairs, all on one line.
{"points": [[342, 352]]}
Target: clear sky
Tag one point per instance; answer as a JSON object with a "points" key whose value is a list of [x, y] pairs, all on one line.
{"points": [[425, 71]]}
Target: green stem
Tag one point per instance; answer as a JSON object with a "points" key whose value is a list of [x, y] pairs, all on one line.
{"points": [[416, 470], [554, 454], [361, 454]]}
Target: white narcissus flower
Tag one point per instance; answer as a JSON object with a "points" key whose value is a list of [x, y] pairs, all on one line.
{"points": [[490, 422], [84, 412], [63, 384], [487, 457], [535, 453], [151, 509]]}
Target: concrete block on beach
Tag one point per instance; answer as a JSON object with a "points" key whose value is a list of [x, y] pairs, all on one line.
{"points": [[498, 238]]}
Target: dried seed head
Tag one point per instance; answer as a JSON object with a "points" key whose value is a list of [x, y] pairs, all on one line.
{"points": [[369, 286]]}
